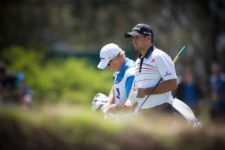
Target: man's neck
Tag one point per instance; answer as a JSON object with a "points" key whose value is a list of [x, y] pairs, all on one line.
{"points": [[145, 50]]}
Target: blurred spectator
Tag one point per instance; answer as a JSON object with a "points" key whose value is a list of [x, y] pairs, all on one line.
{"points": [[13, 89], [217, 85], [188, 90]]}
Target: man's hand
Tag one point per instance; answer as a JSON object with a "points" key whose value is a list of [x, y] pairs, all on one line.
{"points": [[142, 92], [116, 107], [109, 108]]}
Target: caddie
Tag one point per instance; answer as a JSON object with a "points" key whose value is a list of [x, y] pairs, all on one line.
{"points": [[113, 57]]}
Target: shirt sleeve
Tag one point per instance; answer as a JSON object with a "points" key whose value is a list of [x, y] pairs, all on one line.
{"points": [[166, 67], [128, 85]]}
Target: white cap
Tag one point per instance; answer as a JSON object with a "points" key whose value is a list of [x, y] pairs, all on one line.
{"points": [[107, 53]]}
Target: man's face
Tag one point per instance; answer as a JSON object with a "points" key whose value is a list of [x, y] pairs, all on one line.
{"points": [[114, 64], [139, 42]]}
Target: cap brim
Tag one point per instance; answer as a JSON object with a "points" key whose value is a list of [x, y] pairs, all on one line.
{"points": [[131, 34], [103, 64]]}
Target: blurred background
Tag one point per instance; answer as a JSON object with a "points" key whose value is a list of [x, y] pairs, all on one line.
{"points": [[55, 44], [49, 51]]}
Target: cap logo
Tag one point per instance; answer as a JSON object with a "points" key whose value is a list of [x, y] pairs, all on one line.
{"points": [[110, 57], [136, 28], [142, 31]]}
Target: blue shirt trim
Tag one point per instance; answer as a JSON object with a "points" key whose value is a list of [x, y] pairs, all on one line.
{"points": [[127, 64], [128, 85]]}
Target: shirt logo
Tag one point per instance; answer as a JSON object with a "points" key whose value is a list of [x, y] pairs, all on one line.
{"points": [[153, 60], [167, 74]]}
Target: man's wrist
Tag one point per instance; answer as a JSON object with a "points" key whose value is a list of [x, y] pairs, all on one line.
{"points": [[149, 91]]}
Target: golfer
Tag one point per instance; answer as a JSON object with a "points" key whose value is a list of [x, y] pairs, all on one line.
{"points": [[153, 64]]}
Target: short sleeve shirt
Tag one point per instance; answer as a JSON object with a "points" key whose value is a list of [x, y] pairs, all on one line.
{"points": [[155, 65]]}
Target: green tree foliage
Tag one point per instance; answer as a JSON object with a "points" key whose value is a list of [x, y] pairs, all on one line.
{"points": [[71, 79]]}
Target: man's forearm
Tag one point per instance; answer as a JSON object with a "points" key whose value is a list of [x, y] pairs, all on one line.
{"points": [[111, 99], [163, 87]]}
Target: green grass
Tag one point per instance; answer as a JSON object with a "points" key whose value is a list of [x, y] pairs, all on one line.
{"points": [[66, 126]]}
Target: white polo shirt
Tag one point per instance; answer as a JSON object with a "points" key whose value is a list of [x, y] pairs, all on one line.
{"points": [[148, 71]]}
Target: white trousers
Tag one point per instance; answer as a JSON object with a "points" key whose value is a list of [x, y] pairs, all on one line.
{"points": [[177, 104], [184, 110], [181, 107]]}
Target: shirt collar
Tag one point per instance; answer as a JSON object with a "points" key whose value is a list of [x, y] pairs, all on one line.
{"points": [[148, 53]]}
